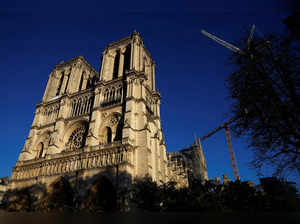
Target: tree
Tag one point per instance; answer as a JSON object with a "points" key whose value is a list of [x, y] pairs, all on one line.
{"points": [[101, 196], [265, 89], [58, 197], [146, 194], [19, 200]]}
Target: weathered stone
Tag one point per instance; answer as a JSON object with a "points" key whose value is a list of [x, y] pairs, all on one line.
{"points": [[89, 121]]}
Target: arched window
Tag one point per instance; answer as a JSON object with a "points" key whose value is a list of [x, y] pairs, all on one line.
{"points": [[127, 56], [116, 65], [81, 81], [60, 84], [108, 135], [40, 149], [89, 83]]}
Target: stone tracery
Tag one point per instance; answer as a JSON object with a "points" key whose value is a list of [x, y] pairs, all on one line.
{"points": [[77, 139]]}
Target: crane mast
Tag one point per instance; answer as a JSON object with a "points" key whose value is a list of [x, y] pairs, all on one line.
{"points": [[225, 126], [231, 153]]}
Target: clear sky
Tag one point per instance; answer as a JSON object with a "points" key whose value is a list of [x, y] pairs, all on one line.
{"points": [[191, 68]]}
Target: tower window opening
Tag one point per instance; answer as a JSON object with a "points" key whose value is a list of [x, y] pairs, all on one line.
{"points": [[60, 84], [127, 56], [40, 149], [67, 84], [116, 65], [89, 84], [81, 81]]}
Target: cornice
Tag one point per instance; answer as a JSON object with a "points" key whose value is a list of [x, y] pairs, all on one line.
{"points": [[73, 60]]}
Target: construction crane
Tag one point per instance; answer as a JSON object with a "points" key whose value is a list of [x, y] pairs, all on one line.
{"points": [[225, 126], [231, 46]]}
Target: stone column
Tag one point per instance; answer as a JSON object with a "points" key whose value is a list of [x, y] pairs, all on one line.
{"points": [[110, 69], [75, 77], [103, 65], [121, 62], [49, 84], [153, 76], [136, 57]]}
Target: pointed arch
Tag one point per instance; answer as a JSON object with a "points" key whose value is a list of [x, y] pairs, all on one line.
{"points": [[60, 83], [81, 81], [40, 149], [116, 65], [127, 59]]}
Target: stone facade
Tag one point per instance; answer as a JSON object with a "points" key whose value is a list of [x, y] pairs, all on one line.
{"points": [[88, 121], [3, 187]]}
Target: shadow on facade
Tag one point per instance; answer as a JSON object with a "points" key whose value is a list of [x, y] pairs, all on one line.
{"points": [[106, 191]]}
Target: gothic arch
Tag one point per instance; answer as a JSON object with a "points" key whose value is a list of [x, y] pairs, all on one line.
{"points": [[40, 149], [110, 123], [75, 135], [116, 65], [41, 145]]}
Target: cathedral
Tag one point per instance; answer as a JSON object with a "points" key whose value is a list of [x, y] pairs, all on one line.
{"points": [[89, 121]]}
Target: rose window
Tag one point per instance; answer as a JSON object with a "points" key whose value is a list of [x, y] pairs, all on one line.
{"points": [[76, 139]]}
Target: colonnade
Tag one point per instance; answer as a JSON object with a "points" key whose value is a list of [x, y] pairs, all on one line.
{"points": [[81, 105], [50, 112]]}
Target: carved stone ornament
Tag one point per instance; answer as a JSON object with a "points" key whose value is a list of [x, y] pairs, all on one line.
{"points": [[112, 54], [113, 120], [63, 101], [97, 91], [104, 115], [122, 50], [67, 70], [27, 144], [104, 52], [76, 139]]}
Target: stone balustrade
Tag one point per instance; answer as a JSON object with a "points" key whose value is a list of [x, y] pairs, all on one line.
{"points": [[81, 105], [57, 166], [50, 112], [112, 95]]}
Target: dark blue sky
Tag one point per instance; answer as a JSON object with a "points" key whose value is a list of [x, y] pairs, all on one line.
{"points": [[190, 74]]}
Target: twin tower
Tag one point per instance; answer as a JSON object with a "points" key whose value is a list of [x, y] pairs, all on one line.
{"points": [[89, 121]]}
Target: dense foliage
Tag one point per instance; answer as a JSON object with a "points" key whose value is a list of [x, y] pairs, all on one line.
{"points": [[145, 195], [212, 196], [265, 89]]}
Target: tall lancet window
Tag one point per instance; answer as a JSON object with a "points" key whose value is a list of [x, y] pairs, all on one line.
{"points": [[67, 84], [60, 84], [127, 56], [81, 81], [40, 149], [116, 65]]}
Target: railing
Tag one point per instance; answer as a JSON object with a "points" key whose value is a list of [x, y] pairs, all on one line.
{"points": [[50, 112], [81, 105], [95, 159], [112, 96]]}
